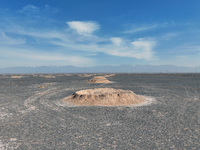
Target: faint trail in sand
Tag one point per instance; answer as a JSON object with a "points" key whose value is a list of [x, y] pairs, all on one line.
{"points": [[43, 99], [28, 103], [12, 144]]}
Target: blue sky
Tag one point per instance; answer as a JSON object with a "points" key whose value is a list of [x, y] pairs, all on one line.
{"points": [[93, 33]]}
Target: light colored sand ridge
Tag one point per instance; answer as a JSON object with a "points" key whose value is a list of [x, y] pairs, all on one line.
{"points": [[85, 75], [16, 77], [109, 75], [99, 79], [47, 76], [104, 97]]}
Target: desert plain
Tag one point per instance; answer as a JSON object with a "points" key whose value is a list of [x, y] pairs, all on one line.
{"points": [[34, 114]]}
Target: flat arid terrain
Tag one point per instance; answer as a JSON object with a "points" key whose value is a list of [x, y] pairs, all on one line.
{"points": [[34, 112]]}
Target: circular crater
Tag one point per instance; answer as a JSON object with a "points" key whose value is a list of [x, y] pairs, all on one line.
{"points": [[104, 97]]}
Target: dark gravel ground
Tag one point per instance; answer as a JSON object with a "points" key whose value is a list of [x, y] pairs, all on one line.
{"points": [[34, 117]]}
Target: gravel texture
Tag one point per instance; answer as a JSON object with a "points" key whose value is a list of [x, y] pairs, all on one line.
{"points": [[33, 116]]}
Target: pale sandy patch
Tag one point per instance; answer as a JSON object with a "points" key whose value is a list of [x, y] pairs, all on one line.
{"points": [[104, 97], [99, 79], [16, 77], [109, 75]]}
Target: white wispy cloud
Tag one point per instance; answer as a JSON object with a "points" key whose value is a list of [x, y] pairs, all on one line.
{"points": [[185, 49], [144, 48], [141, 28], [7, 40], [116, 40], [29, 9], [148, 27], [139, 48], [39, 57], [77, 44], [83, 27]]}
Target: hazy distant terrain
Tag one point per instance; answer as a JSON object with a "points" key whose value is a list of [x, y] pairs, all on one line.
{"points": [[33, 116], [102, 69]]}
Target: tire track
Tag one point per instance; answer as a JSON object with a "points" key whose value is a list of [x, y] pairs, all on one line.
{"points": [[43, 99], [28, 103]]}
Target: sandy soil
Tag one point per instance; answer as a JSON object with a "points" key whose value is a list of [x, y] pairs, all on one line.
{"points": [[85, 75], [38, 119], [16, 77], [105, 97], [47, 76], [109, 75], [99, 79]]}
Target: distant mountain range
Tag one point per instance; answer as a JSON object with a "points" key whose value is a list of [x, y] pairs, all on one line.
{"points": [[101, 69]]}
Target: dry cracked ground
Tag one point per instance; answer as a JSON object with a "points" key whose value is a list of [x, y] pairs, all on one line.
{"points": [[33, 115]]}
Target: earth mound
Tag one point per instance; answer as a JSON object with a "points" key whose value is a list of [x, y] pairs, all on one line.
{"points": [[85, 75], [104, 97], [16, 77], [99, 79], [47, 76], [109, 75]]}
